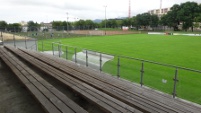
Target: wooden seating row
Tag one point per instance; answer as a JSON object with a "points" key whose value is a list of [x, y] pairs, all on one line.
{"points": [[109, 93], [102, 100], [51, 99]]}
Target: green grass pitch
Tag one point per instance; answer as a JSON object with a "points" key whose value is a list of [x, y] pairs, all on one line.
{"points": [[184, 51]]}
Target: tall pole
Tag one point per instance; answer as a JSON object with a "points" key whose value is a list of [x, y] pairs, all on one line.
{"points": [[129, 9], [160, 7], [67, 23], [105, 19]]}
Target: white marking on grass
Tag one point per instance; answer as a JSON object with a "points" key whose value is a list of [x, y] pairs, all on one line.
{"points": [[93, 59], [56, 53]]}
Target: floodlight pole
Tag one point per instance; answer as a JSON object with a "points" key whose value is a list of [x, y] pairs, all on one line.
{"points": [[67, 23], [105, 19]]}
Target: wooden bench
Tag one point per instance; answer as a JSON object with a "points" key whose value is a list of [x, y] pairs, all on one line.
{"points": [[52, 100], [102, 100], [142, 104], [115, 88]]}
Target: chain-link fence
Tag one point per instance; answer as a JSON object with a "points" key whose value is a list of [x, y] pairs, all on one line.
{"points": [[18, 41], [45, 32]]}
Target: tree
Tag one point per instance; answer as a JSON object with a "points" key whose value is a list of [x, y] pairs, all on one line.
{"points": [[61, 25], [57, 25], [172, 17], [187, 14], [146, 19], [127, 22], [164, 21], [111, 23], [33, 26], [119, 22], [154, 21], [3, 25], [90, 24], [80, 24], [15, 27], [134, 21]]}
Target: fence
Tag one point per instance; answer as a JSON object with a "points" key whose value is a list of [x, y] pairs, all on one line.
{"points": [[46, 32], [178, 81], [18, 41]]}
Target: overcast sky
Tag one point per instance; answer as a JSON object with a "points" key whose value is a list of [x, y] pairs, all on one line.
{"points": [[48, 10]]}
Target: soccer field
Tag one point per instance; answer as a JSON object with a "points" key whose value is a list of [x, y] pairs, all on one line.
{"points": [[182, 51]]}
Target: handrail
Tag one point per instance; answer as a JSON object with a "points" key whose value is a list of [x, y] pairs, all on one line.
{"points": [[138, 59], [162, 64]]}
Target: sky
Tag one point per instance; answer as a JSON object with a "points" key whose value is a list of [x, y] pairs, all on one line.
{"points": [[14, 11]]}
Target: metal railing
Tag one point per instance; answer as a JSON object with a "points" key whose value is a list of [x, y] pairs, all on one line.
{"points": [[175, 80], [23, 41], [178, 81]]}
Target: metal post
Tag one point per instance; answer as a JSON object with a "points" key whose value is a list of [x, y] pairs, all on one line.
{"points": [[75, 55], [175, 83], [100, 62], [63, 33], [66, 52], [53, 49], [0, 64], [86, 58], [59, 50], [25, 42], [36, 44], [142, 72], [2, 39], [105, 19], [67, 24], [118, 67], [14, 40], [42, 46]]}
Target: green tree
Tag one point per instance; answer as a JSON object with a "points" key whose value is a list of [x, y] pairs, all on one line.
{"points": [[111, 23], [119, 22], [33, 26], [80, 24], [3, 25], [172, 19], [15, 27], [143, 20], [154, 21], [57, 25], [90, 24], [187, 14]]}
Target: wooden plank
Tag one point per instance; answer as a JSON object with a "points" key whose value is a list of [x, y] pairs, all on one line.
{"points": [[44, 67], [71, 81], [61, 106], [40, 97], [125, 88], [165, 104], [56, 92], [52, 98], [109, 91]]}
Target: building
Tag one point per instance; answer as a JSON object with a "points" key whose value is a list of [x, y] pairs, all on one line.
{"points": [[24, 26], [159, 12], [23, 23], [45, 26]]}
